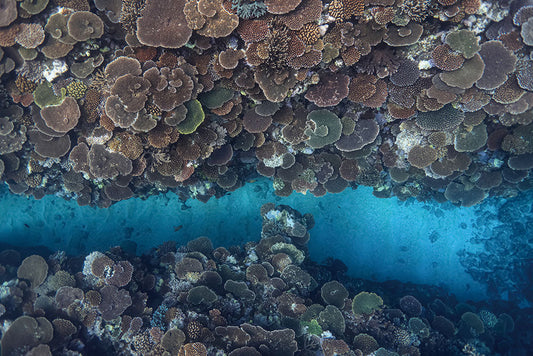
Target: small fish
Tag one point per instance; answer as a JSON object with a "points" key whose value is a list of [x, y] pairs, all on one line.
{"points": [[28, 226], [178, 228]]}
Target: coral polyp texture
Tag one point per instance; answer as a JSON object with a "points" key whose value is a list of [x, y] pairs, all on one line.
{"points": [[107, 100], [264, 299]]}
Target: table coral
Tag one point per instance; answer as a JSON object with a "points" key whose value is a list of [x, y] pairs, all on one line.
{"points": [[176, 32]]}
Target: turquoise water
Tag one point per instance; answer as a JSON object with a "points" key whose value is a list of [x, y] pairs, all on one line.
{"points": [[378, 239]]}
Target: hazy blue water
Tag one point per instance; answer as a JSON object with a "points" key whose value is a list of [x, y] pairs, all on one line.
{"points": [[378, 239]]}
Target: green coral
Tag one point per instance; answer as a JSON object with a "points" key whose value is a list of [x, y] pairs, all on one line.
{"points": [[464, 42], [248, 9], [331, 319], [216, 97], [328, 128], [195, 116], [34, 7], [44, 95], [313, 327], [366, 303], [296, 255]]}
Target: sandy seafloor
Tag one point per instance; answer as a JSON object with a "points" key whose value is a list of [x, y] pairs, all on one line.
{"points": [[378, 239]]}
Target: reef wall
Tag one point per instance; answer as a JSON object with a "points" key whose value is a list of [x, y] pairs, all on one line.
{"points": [[106, 100]]}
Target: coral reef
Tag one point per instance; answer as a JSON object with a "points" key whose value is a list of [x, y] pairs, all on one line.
{"points": [[264, 298], [134, 98], [503, 263]]}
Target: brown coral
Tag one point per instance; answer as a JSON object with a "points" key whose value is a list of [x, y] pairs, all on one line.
{"points": [[84, 25], [422, 156], [280, 7], [209, 18], [163, 24], [345, 9], [445, 59], [63, 117], [330, 91], [8, 12]]}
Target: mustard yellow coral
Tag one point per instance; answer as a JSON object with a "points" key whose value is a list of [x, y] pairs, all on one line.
{"points": [[77, 89]]}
